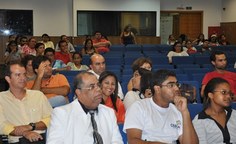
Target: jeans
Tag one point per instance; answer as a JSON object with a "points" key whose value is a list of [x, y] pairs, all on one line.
{"points": [[57, 101]]}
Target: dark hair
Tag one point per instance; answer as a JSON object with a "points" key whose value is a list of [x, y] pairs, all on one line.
{"points": [[78, 80], [126, 28], [62, 36], [78, 54], [145, 81], [173, 47], [97, 32], [139, 62], [214, 53], [210, 87], [45, 35], [37, 61], [60, 42], [113, 96], [38, 45], [8, 68], [11, 43], [23, 37], [26, 59], [85, 44], [160, 76], [49, 50]]}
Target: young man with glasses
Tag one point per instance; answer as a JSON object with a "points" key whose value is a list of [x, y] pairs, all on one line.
{"points": [[85, 120], [164, 118]]}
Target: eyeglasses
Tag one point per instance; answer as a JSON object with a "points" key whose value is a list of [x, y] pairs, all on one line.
{"points": [[91, 87], [224, 92], [172, 84]]}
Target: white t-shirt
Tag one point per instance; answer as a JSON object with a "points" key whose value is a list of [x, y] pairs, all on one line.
{"points": [[172, 53], [131, 97], [156, 123]]}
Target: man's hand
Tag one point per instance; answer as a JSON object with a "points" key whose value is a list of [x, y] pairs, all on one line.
{"points": [[32, 136], [19, 130], [181, 103], [41, 69]]}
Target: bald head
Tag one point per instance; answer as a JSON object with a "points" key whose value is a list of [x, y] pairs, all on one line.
{"points": [[97, 63]]}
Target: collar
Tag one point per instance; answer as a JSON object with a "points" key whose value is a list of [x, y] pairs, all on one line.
{"points": [[203, 114], [85, 109]]}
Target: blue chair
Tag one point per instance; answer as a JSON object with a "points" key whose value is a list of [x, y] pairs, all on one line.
{"points": [[159, 60], [163, 66], [133, 47], [182, 77], [202, 60], [124, 136], [194, 109], [149, 47], [233, 105], [116, 48], [182, 60], [69, 73], [198, 77], [182, 66], [196, 85]]}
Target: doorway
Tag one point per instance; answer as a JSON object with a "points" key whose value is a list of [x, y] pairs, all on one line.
{"points": [[180, 22]]}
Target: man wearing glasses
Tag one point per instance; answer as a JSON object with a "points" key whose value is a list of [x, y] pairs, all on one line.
{"points": [[164, 118], [85, 120]]}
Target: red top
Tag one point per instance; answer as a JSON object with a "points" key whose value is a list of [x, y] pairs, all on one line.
{"points": [[120, 113]]}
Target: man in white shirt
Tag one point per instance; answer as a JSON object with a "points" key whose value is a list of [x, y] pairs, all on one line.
{"points": [[72, 123], [157, 120], [98, 65]]}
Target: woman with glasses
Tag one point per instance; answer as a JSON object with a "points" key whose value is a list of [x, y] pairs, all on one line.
{"points": [[109, 86], [141, 87], [217, 122]]}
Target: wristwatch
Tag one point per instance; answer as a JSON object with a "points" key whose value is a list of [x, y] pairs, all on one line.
{"points": [[33, 126]]}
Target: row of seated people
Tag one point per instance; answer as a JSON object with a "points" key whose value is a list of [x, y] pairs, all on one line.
{"points": [[86, 120], [17, 50]]}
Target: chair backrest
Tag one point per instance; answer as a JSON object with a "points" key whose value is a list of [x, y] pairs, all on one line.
{"points": [[196, 85], [124, 136], [195, 109], [182, 60]]}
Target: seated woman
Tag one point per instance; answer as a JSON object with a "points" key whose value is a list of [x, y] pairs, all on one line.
{"points": [[109, 87], [190, 49], [199, 40], [216, 124], [27, 62], [12, 53], [141, 89], [76, 62], [171, 40], [46, 41], [40, 48], [177, 50], [141, 62], [88, 48]]}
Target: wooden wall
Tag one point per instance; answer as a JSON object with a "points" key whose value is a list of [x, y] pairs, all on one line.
{"points": [[229, 29], [79, 41]]}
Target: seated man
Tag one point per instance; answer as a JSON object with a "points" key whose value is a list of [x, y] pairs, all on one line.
{"points": [[64, 53], [55, 87], [156, 119], [101, 44], [85, 120], [70, 46], [23, 113], [57, 65]]}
